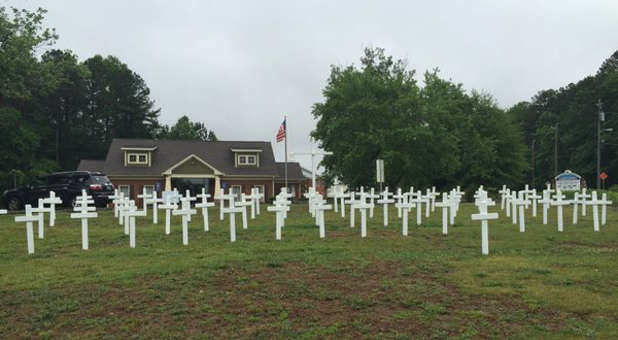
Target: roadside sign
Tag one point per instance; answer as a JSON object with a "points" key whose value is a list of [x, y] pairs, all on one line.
{"points": [[603, 176], [380, 170]]}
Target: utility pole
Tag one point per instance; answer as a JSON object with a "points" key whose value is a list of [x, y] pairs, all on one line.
{"points": [[599, 118], [533, 163], [556, 150]]}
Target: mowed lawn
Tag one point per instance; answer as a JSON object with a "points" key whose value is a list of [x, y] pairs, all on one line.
{"points": [[541, 283]]}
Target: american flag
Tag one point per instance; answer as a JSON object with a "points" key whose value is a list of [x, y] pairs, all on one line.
{"points": [[281, 133]]}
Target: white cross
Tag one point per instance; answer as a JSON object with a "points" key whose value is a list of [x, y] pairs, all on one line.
{"points": [[342, 196], [418, 204], [604, 203], [84, 212], [559, 203], [185, 213], [404, 207], [583, 196], [595, 210], [185, 202], [427, 200], [132, 212], [576, 201], [28, 218], [40, 210], [244, 204], [255, 199], [454, 205], [400, 198], [168, 205], [484, 216], [52, 200], [352, 201], [124, 208], [154, 201], [3, 211], [445, 205], [507, 202], [372, 196], [514, 206], [279, 219], [385, 200], [145, 197], [434, 194], [363, 206], [320, 207], [545, 201], [281, 200], [116, 197], [232, 209], [503, 194], [204, 205], [534, 196], [521, 203]]}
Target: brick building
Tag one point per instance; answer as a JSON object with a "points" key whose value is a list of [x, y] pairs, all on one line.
{"points": [[137, 164]]}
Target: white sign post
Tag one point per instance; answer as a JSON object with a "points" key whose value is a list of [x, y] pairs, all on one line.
{"points": [[28, 218]]}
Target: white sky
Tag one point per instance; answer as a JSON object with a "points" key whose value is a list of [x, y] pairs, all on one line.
{"points": [[238, 66]]}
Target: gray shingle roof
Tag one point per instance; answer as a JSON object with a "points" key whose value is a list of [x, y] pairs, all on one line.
{"points": [[91, 165], [294, 171], [169, 152]]}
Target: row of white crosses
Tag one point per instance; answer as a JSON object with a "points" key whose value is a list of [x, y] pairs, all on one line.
{"points": [[37, 214]]}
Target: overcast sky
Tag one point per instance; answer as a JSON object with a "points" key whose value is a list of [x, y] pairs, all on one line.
{"points": [[239, 66]]}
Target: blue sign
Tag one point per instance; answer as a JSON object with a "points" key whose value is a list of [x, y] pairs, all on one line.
{"points": [[158, 186]]}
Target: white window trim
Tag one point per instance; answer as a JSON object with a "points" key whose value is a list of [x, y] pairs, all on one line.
{"points": [[237, 186], [149, 186], [137, 155], [125, 186], [247, 156]]}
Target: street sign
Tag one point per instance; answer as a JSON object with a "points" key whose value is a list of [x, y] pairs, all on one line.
{"points": [[380, 170], [603, 176]]}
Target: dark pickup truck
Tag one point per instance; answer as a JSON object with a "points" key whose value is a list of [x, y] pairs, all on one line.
{"points": [[66, 185]]}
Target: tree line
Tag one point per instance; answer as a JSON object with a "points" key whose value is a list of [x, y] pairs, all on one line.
{"points": [[439, 134], [56, 109]]}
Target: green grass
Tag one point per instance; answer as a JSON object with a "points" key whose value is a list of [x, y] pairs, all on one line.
{"points": [[539, 284]]}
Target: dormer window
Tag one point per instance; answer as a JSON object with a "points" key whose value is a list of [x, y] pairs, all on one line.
{"points": [[247, 160], [138, 156]]}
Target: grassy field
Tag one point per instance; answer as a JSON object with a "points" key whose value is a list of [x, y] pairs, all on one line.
{"points": [[537, 284]]}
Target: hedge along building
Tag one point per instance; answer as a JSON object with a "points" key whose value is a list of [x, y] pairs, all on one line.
{"points": [[137, 164]]}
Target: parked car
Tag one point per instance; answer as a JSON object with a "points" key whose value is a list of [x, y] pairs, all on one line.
{"points": [[67, 185]]}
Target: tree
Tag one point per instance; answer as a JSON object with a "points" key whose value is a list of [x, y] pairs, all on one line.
{"points": [[185, 129]]}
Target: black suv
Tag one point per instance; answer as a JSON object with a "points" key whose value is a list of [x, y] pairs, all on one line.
{"points": [[66, 185]]}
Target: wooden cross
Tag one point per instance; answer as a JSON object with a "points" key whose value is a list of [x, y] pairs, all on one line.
{"points": [[145, 197], [604, 203], [372, 196], [281, 200], [417, 203], [522, 203], [28, 218], [507, 202], [342, 196], [132, 212], [434, 194], [352, 201], [204, 205], [40, 210], [244, 204], [399, 197], [124, 208], [279, 218], [559, 203], [503, 194], [363, 206], [116, 197], [320, 207], [576, 201], [169, 204], [404, 207], [154, 201], [185, 213], [534, 197], [84, 212], [255, 198], [232, 209], [385, 200], [52, 200], [445, 205], [427, 200], [484, 217], [546, 202], [514, 206], [595, 210], [583, 196]]}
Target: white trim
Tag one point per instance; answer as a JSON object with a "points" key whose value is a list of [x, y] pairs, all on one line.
{"points": [[247, 150], [137, 156], [153, 148], [169, 171], [191, 176], [246, 155], [148, 185]]}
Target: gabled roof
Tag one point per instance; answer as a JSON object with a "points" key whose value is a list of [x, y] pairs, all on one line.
{"points": [[168, 153], [91, 165], [294, 171], [567, 175]]}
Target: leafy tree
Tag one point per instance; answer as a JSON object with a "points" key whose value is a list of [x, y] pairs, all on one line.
{"points": [[185, 129]]}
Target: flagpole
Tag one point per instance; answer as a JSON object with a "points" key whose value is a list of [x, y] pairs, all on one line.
{"points": [[285, 126]]}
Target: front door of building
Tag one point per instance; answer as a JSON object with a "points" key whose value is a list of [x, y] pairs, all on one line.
{"points": [[194, 185]]}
